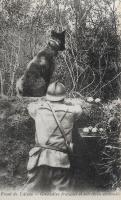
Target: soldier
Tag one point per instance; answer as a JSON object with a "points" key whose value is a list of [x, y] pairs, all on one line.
{"points": [[49, 164]]}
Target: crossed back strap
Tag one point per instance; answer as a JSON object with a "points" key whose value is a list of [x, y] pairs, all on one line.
{"points": [[61, 129]]}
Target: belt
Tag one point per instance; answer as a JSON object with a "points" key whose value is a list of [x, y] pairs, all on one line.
{"points": [[51, 148]]}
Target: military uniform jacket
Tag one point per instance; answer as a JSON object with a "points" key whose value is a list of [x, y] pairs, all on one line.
{"points": [[48, 133]]}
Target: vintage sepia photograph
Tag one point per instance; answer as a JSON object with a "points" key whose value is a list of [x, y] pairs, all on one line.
{"points": [[60, 97]]}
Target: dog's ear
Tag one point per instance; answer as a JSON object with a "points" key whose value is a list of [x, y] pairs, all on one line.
{"points": [[63, 32]]}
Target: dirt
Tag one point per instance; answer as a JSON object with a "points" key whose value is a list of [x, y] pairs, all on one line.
{"points": [[16, 182]]}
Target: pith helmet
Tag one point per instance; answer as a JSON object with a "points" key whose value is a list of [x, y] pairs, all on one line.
{"points": [[56, 92]]}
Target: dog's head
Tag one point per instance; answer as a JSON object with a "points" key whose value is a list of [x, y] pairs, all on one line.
{"points": [[58, 40]]}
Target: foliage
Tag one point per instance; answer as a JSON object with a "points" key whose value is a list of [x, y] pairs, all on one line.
{"points": [[16, 134], [104, 122], [90, 64]]}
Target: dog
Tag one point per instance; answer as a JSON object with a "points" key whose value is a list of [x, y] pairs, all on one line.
{"points": [[35, 80]]}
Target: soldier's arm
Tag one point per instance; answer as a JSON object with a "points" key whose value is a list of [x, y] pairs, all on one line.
{"points": [[77, 111], [32, 109], [79, 107]]}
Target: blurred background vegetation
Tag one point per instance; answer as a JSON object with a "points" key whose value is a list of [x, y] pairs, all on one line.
{"points": [[91, 63], [90, 66]]}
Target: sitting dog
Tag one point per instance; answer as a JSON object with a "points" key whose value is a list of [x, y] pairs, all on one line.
{"points": [[39, 71]]}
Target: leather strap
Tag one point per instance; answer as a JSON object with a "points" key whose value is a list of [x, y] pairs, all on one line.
{"points": [[61, 129], [51, 147]]}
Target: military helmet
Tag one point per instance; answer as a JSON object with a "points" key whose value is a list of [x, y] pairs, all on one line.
{"points": [[56, 92]]}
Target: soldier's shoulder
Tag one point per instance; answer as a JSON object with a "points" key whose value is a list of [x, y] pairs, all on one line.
{"points": [[36, 104]]}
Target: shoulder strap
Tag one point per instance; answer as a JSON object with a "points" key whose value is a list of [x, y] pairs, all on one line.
{"points": [[61, 129]]}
